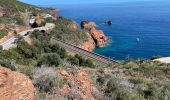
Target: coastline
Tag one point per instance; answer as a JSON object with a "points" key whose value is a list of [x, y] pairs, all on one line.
{"points": [[126, 29], [163, 60]]}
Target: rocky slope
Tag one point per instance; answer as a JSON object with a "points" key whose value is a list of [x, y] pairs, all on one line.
{"points": [[79, 86], [98, 36], [15, 86]]}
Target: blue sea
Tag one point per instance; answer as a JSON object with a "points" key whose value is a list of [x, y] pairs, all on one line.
{"points": [[139, 29]]}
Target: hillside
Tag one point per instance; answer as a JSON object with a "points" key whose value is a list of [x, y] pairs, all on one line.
{"points": [[12, 15], [58, 74]]}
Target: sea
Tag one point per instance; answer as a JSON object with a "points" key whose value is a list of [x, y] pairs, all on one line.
{"points": [[138, 30]]}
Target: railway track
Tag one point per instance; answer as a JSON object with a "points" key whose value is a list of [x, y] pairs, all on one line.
{"points": [[97, 58]]}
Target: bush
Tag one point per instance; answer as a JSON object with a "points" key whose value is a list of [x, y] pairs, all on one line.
{"points": [[20, 21], [46, 79], [1, 48], [89, 63], [27, 50], [80, 61], [7, 64], [3, 33], [46, 84], [74, 60], [101, 80], [50, 59], [49, 20], [118, 92], [27, 70]]}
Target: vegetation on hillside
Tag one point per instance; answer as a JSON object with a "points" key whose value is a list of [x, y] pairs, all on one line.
{"points": [[42, 61], [134, 80], [15, 13], [64, 32]]}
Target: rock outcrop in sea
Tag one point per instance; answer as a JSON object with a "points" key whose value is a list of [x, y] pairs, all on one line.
{"points": [[98, 35]]}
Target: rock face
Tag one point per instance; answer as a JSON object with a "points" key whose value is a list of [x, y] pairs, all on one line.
{"points": [[15, 86], [99, 37], [79, 87], [90, 44]]}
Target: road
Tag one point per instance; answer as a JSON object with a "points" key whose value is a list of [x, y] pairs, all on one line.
{"points": [[10, 42], [99, 59]]}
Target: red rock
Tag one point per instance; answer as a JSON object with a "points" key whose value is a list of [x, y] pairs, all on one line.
{"points": [[15, 86], [87, 25], [97, 35], [89, 45]]}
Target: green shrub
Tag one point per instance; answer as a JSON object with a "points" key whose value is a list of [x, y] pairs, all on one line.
{"points": [[74, 60], [80, 61], [46, 83], [116, 92], [50, 59], [3, 33], [7, 64], [19, 20], [47, 78], [101, 80], [1, 48], [27, 50], [49, 20], [89, 63], [27, 70]]}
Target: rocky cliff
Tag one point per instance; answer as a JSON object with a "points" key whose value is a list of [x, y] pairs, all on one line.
{"points": [[90, 44], [15, 86], [98, 36]]}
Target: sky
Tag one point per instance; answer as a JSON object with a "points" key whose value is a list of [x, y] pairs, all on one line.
{"points": [[54, 2]]}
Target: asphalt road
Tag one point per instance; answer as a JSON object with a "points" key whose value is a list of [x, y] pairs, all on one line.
{"points": [[10, 42]]}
